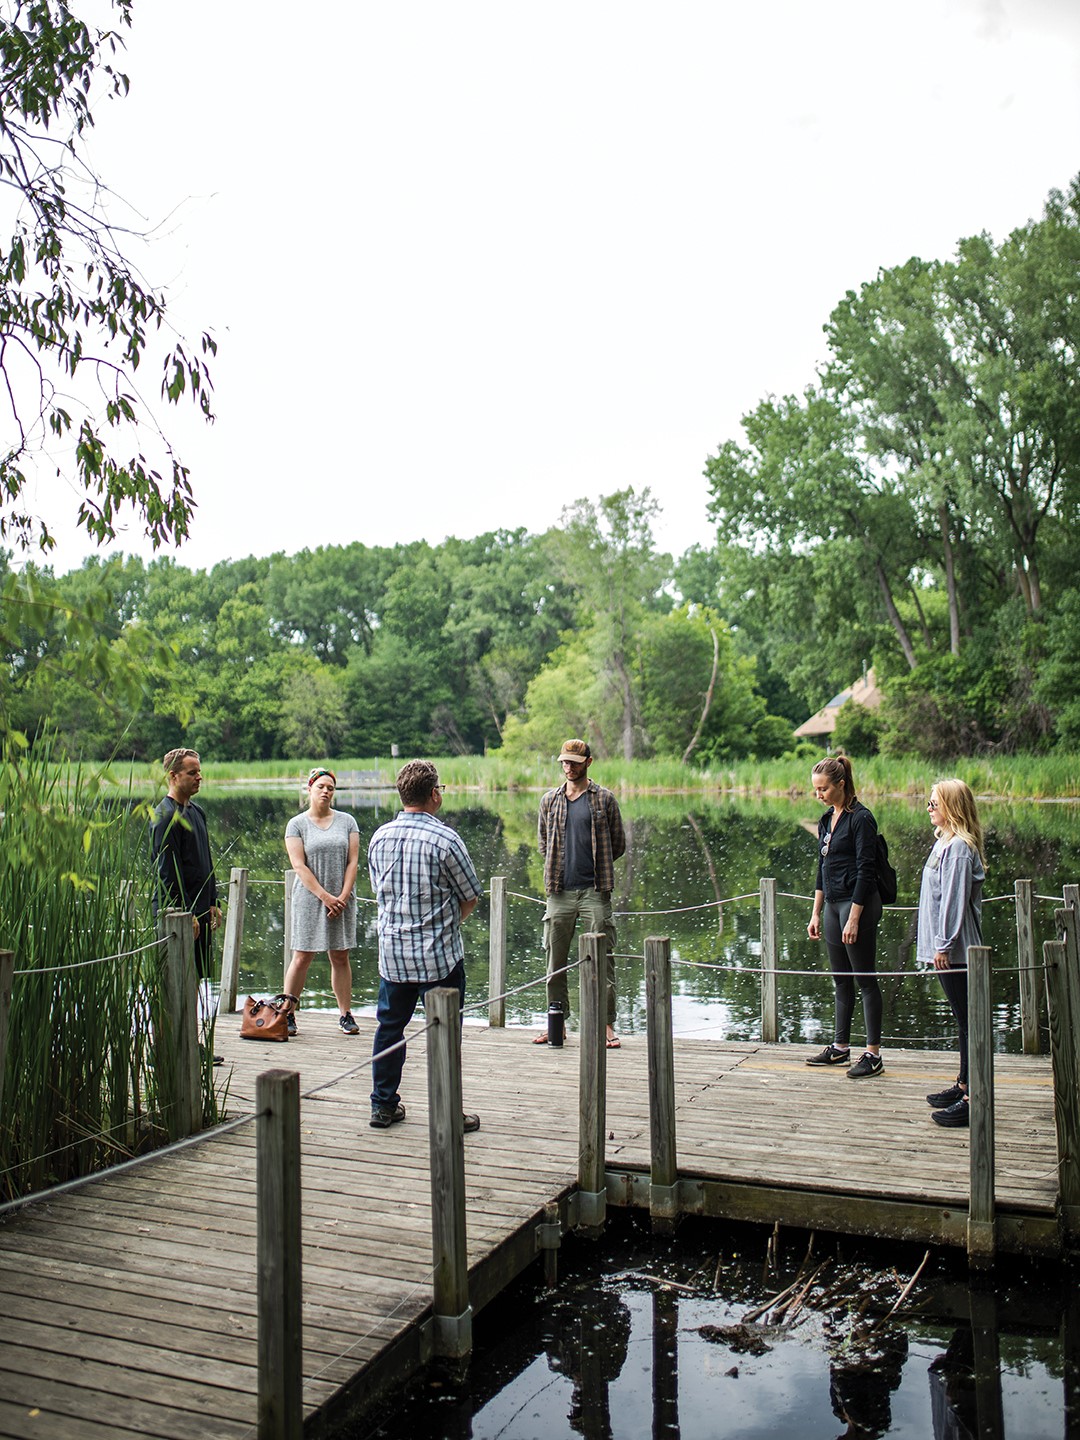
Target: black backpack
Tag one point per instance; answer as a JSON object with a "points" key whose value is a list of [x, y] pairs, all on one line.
{"points": [[886, 875]]}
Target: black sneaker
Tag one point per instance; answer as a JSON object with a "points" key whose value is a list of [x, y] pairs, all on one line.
{"points": [[382, 1117], [830, 1056], [866, 1065], [290, 1021], [470, 1124], [958, 1114], [348, 1024], [942, 1099]]}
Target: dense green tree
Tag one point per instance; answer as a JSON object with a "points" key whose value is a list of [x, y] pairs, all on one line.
{"points": [[569, 696], [606, 552], [697, 693], [312, 710], [330, 599]]}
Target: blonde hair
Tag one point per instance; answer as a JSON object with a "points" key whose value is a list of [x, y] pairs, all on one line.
{"points": [[957, 814]]}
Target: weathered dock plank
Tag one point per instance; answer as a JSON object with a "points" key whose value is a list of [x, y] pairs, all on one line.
{"points": [[131, 1303]]}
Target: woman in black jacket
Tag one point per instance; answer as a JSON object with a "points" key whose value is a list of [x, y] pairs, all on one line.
{"points": [[847, 908]]}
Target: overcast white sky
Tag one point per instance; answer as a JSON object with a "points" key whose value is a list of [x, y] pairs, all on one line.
{"points": [[468, 262]]}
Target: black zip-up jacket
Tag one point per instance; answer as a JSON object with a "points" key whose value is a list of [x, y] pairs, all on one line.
{"points": [[849, 870]]}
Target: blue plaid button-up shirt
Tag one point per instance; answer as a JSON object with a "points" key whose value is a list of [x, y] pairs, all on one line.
{"points": [[421, 873]]}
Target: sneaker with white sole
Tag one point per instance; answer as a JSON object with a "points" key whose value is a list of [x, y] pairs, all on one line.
{"points": [[348, 1024], [830, 1056], [867, 1065]]}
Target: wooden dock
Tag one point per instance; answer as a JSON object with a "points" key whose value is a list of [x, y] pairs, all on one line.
{"points": [[129, 1304]]}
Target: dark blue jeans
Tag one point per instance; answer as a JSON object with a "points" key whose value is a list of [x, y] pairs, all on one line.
{"points": [[398, 1000]]}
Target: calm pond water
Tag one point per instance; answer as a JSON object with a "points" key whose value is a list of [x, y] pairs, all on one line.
{"points": [[684, 854], [615, 1353]]}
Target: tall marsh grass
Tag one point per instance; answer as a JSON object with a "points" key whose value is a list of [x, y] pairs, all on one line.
{"points": [[1017, 777], [81, 1087]]}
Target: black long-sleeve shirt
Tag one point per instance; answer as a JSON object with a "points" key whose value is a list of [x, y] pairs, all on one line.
{"points": [[849, 870], [181, 857]]}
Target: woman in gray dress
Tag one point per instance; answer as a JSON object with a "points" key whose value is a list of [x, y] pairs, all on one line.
{"points": [[324, 850], [950, 919]]}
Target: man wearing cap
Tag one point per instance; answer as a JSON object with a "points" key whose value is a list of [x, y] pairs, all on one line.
{"points": [[580, 832]]}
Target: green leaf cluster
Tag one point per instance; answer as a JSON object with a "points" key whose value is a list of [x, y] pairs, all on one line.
{"points": [[77, 319], [915, 506]]}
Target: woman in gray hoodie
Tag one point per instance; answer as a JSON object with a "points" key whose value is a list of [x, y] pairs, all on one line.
{"points": [[950, 919]]}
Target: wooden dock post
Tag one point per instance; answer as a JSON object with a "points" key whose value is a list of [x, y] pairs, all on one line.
{"points": [[1060, 1004], [278, 1256], [981, 1236], [7, 971], [770, 1030], [287, 926], [177, 1043], [1068, 929], [664, 1187], [451, 1311], [234, 939], [497, 952], [592, 1085], [1025, 960]]}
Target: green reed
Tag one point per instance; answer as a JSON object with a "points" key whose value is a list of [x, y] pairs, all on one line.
{"points": [[81, 1086], [1010, 776]]}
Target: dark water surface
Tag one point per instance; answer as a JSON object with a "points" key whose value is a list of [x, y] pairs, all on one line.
{"points": [[612, 1351], [684, 854]]}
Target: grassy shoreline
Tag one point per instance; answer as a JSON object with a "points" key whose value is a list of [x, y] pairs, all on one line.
{"points": [[1008, 777]]}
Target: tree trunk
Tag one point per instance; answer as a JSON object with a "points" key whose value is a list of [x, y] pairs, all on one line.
{"points": [[950, 580], [894, 616], [708, 696]]}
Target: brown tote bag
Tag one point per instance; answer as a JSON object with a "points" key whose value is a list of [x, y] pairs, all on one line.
{"points": [[264, 1020]]}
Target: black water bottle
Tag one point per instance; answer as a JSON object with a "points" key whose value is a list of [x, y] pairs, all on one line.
{"points": [[556, 1023]]}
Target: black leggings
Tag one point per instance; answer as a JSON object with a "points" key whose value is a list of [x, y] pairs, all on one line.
{"points": [[854, 964], [954, 983]]}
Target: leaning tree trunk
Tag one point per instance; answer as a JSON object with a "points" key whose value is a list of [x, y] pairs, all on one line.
{"points": [[894, 616], [708, 696]]}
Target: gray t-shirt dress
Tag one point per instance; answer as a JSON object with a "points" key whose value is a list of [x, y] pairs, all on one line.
{"points": [[327, 855]]}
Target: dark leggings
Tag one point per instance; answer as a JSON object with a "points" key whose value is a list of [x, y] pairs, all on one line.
{"points": [[954, 983], [854, 964]]}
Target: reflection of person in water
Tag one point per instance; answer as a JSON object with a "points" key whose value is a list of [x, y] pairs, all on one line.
{"points": [[952, 1390], [860, 1387], [586, 1340]]}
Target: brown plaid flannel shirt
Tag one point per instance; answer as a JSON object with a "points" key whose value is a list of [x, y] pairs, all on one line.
{"points": [[608, 839]]}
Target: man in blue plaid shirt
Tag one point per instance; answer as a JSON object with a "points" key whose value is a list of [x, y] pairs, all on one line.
{"points": [[425, 885]]}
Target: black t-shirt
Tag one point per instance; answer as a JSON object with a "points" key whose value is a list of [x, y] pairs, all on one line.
{"points": [[579, 873]]}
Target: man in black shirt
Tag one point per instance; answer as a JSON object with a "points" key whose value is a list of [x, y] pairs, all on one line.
{"points": [[180, 852]]}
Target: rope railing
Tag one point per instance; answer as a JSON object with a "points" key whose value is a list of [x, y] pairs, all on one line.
{"points": [[222, 1129], [66, 1186], [519, 989], [100, 960], [918, 973], [90, 1138]]}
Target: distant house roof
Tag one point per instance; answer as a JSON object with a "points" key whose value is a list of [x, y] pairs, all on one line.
{"points": [[821, 725]]}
